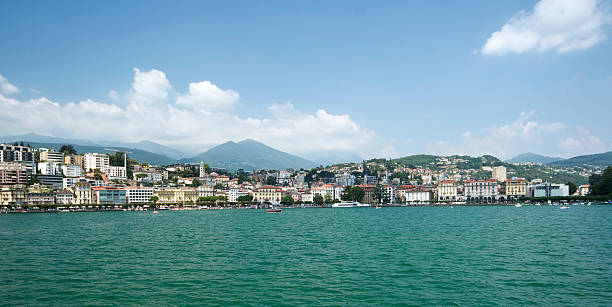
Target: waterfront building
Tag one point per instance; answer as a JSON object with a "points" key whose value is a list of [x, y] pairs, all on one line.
{"points": [[270, 194], [50, 155], [16, 153], [176, 195], [205, 191], [447, 190], [49, 168], [549, 190], [39, 195], [414, 194], [388, 193], [12, 173], [12, 196], [583, 190], [109, 195], [235, 192], [70, 170], [64, 197], [138, 195], [306, 196], [369, 191], [498, 173], [92, 161], [514, 188], [82, 193], [481, 190]]}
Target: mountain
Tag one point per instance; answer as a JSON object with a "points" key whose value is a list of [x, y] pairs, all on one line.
{"points": [[249, 155], [601, 159], [331, 157], [143, 145], [533, 158], [140, 155], [147, 146]]}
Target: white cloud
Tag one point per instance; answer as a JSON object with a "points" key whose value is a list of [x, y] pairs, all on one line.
{"points": [[148, 112], [561, 25], [522, 135], [205, 96], [6, 87]]}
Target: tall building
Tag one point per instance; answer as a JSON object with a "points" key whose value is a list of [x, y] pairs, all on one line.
{"points": [[12, 173], [499, 173], [74, 160], [18, 153], [447, 190], [50, 155], [49, 168], [92, 161]]}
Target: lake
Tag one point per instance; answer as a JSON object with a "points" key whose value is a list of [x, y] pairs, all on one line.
{"points": [[537, 255]]}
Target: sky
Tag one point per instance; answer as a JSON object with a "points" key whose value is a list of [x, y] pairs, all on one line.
{"points": [[380, 79]]}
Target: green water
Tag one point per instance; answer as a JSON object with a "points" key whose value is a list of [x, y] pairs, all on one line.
{"points": [[361, 256]]}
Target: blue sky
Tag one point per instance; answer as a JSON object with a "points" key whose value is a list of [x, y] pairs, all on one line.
{"points": [[392, 78]]}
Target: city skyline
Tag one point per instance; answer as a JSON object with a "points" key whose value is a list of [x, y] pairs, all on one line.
{"points": [[509, 78]]}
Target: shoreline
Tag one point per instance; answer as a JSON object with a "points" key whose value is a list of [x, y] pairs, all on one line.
{"points": [[138, 208]]}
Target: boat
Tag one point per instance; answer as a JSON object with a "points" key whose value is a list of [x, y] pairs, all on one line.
{"points": [[363, 205], [274, 210], [518, 205], [563, 207], [345, 204]]}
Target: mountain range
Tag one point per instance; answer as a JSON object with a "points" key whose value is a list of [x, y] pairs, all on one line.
{"points": [[252, 155], [530, 157]]}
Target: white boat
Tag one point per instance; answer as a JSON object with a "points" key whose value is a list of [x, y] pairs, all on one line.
{"points": [[518, 205], [363, 205], [345, 204]]}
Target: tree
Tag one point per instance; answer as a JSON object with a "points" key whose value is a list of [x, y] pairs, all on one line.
{"points": [[195, 183], [245, 198], [270, 180], [68, 150], [153, 199], [318, 200], [97, 174], [353, 194], [141, 176], [572, 188], [328, 199], [287, 200], [601, 184]]}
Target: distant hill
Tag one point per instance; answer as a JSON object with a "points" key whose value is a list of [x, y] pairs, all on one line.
{"points": [[331, 157], [530, 157], [249, 155], [140, 155], [142, 145], [602, 159]]}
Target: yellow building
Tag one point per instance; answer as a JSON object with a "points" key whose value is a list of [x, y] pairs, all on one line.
{"points": [[10, 196], [267, 194], [82, 193], [447, 190], [176, 195], [514, 188]]}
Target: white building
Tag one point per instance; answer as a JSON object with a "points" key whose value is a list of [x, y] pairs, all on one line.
{"points": [[51, 155], [205, 191], [72, 170], [115, 172], [148, 176], [499, 173], [481, 190], [64, 197], [49, 168], [93, 161], [388, 193], [236, 192], [138, 195]]}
